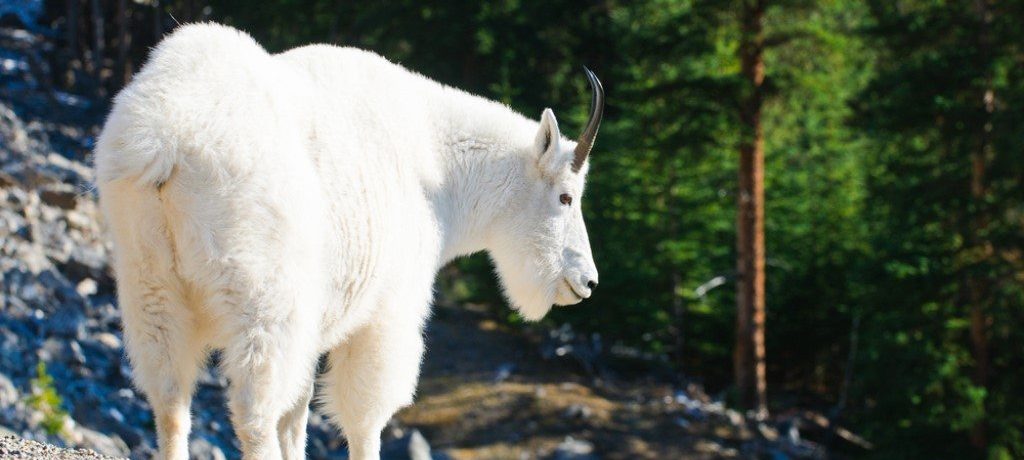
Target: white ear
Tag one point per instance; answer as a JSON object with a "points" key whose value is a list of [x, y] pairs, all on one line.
{"points": [[550, 158]]}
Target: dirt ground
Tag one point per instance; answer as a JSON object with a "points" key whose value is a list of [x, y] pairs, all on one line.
{"points": [[487, 393]]}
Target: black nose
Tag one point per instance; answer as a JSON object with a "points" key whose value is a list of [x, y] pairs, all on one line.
{"points": [[592, 284]]}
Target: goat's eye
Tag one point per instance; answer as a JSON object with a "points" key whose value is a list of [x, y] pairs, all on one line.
{"points": [[565, 199]]}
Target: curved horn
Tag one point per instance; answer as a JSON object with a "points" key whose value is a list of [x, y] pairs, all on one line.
{"points": [[586, 140]]}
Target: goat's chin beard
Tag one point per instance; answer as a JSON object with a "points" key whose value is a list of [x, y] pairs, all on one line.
{"points": [[531, 301], [530, 287], [533, 310], [534, 304]]}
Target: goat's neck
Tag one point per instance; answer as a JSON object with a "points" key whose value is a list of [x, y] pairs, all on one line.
{"points": [[483, 174]]}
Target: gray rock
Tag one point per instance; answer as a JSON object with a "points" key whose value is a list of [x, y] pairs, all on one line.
{"points": [[143, 452], [504, 372], [99, 442], [7, 180], [107, 340], [86, 287], [77, 355], [8, 392], [574, 449], [577, 411], [69, 321], [53, 350], [419, 449], [63, 196], [202, 449], [89, 261], [411, 446], [59, 285]]}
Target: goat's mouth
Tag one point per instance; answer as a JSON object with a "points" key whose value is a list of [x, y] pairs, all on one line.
{"points": [[576, 295]]}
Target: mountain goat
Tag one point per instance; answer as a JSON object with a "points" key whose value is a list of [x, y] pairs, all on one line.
{"points": [[279, 207]]}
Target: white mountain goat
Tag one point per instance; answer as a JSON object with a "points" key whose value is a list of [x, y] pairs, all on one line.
{"points": [[278, 207]]}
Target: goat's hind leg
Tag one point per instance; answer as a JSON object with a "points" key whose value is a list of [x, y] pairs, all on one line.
{"points": [[291, 427], [270, 360], [162, 339], [165, 360]]}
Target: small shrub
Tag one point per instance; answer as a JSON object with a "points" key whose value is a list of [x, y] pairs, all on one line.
{"points": [[47, 401]]}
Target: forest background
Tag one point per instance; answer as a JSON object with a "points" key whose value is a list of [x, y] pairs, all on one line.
{"points": [[796, 203]]}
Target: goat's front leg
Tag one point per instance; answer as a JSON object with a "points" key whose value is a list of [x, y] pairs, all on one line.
{"points": [[373, 375]]}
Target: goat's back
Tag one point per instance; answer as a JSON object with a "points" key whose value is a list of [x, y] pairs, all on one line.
{"points": [[303, 168]]}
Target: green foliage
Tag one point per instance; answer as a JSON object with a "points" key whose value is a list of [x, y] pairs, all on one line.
{"points": [[47, 401], [873, 112], [926, 116]]}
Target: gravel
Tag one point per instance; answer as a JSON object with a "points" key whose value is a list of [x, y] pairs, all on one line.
{"points": [[12, 447]]}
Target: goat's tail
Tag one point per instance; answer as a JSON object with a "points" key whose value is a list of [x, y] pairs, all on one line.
{"points": [[177, 96], [135, 145]]}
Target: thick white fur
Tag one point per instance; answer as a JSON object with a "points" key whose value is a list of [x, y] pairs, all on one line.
{"points": [[278, 207]]}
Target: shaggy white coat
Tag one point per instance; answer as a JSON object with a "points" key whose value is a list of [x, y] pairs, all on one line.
{"points": [[278, 207]]}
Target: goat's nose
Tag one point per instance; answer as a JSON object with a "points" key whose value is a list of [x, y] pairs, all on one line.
{"points": [[592, 284]]}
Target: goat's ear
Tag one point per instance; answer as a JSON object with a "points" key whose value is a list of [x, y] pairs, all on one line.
{"points": [[550, 158]]}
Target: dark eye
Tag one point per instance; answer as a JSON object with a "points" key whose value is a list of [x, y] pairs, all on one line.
{"points": [[565, 199]]}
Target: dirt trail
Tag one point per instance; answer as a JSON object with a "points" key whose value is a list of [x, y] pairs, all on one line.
{"points": [[486, 392]]}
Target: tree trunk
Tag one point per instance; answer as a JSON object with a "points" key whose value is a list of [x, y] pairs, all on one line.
{"points": [[678, 319], [977, 283], [123, 69], [978, 289], [96, 11], [678, 324], [72, 26], [71, 63], [749, 352], [158, 22]]}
